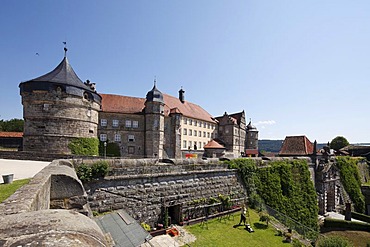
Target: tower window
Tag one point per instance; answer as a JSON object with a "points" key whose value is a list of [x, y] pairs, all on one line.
{"points": [[128, 123], [131, 138], [117, 137], [135, 124], [46, 107]]}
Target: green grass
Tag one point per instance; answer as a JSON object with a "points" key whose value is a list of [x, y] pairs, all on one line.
{"points": [[7, 190], [223, 233]]}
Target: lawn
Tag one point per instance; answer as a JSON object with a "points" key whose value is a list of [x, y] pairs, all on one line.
{"points": [[227, 233], [7, 190]]}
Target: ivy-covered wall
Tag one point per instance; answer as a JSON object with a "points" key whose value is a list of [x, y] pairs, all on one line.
{"points": [[351, 180], [84, 146], [284, 185]]}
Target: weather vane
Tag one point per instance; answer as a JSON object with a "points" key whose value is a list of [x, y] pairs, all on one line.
{"points": [[65, 48]]}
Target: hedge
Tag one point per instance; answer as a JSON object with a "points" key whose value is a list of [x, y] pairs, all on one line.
{"points": [[346, 225]]}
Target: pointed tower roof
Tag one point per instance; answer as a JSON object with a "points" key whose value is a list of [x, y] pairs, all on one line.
{"points": [[62, 74], [154, 95]]}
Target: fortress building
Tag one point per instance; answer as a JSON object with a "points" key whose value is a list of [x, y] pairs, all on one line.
{"points": [[58, 107]]}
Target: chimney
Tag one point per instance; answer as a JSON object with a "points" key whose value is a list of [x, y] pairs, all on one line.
{"points": [[181, 95]]}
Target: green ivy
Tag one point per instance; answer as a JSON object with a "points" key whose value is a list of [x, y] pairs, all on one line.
{"points": [[350, 178], [283, 185], [84, 146], [112, 149]]}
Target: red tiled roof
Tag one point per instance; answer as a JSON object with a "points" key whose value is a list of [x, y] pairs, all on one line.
{"points": [[11, 134], [251, 151], [121, 104], [296, 145], [127, 104], [213, 144], [187, 109]]}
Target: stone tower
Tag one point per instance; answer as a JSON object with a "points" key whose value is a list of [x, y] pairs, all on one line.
{"points": [[58, 107], [154, 124], [251, 140]]}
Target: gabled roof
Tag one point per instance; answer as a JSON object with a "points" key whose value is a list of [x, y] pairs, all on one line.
{"points": [[296, 145], [62, 74], [214, 145], [234, 118], [11, 134], [127, 104]]}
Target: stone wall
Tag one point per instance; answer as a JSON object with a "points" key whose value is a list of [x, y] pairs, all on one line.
{"points": [[145, 189], [28, 219]]}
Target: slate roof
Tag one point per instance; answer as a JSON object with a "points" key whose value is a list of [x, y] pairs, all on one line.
{"points": [[131, 105], [62, 74], [11, 134], [296, 145], [125, 231]]}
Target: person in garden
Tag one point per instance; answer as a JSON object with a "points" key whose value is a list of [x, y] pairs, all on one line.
{"points": [[243, 215]]}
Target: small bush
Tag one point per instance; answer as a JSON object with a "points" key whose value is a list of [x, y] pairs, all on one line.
{"points": [[84, 146], [87, 173]]}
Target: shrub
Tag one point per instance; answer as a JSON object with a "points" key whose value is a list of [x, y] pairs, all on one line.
{"points": [[264, 217], [84, 146], [112, 149], [333, 241], [87, 173]]}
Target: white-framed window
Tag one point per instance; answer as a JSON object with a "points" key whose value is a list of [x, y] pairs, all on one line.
{"points": [[184, 144], [190, 121], [135, 124], [185, 120], [131, 138], [200, 123], [204, 134], [195, 133], [117, 137], [103, 137], [200, 145], [208, 126], [208, 135], [200, 133], [115, 123], [185, 131], [195, 122], [204, 144], [190, 144], [190, 132], [128, 123], [204, 124], [103, 122]]}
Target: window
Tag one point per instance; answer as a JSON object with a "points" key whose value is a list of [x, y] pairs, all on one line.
{"points": [[185, 132], [128, 123], [208, 136], [204, 144], [131, 138], [204, 134], [195, 133], [184, 144], [200, 123], [117, 137], [200, 145], [135, 124], [185, 120], [204, 124], [191, 121], [103, 122], [208, 126], [190, 132], [103, 137], [190, 143], [46, 107], [195, 122], [115, 123], [200, 133], [131, 149]]}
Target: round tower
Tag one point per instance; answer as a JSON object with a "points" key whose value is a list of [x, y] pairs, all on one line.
{"points": [[154, 123], [58, 107], [251, 137]]}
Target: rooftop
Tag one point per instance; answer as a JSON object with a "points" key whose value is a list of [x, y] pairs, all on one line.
{"points": [[296, 145]]}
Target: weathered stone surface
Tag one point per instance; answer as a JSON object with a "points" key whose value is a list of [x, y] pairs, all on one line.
{"points": [[50, 228]]}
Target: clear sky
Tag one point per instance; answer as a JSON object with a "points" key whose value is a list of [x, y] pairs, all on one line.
{"points": [[295, 67]]}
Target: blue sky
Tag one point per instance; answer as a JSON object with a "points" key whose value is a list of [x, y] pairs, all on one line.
{"points": [[295, 67]]}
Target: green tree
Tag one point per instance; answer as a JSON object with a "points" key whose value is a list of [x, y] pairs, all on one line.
{"points": [[338, 143], [12, 125]]}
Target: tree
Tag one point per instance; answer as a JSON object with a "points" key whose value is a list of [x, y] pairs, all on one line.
{"points": [[338, 143], [12, 125]]}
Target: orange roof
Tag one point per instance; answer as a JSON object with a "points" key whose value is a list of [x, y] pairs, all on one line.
{"points": [[296, 145], [127, 104], [213, 144], [11, 134], [121, 104]]}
